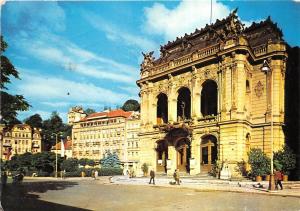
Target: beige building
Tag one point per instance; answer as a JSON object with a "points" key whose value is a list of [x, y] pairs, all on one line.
{"points": [[206, 97], [98, 133], [132, 129], [19, 139]]}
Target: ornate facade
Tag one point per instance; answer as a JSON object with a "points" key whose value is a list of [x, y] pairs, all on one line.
{"points": [[206, 98]]}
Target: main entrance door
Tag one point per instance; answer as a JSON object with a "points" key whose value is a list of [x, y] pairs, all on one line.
{"points": [[183, 155], [209, 153]]}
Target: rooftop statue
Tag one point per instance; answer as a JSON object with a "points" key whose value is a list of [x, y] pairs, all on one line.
{"points": [[148, 60]]}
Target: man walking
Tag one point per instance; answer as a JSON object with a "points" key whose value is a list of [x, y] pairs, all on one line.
{"points": [[152, 175], [278, 179]]}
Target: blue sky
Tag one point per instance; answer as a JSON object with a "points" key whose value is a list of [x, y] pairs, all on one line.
{"points": [[92, 50]]}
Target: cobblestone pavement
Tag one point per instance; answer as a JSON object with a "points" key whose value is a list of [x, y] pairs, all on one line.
{"points": [[122, 193], [289, 188]]}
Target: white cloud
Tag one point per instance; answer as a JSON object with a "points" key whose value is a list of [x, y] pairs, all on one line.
{"points": [[184, 18], [60, 91], [114, 33], [70, 57]]}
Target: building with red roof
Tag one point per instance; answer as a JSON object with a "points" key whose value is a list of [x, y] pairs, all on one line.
{"points": [[98, 133]]}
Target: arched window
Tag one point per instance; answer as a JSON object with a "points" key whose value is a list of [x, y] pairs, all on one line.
{"points": [[162, 108], [184, 104], [209, 98]]}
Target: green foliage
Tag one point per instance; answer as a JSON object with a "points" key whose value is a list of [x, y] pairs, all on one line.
{"points": [[41, 162], [110, 171], [35, 121], [110, 161], [54, 125], [260, 163], [145, 168], [10, 104], [286, 159], [131, 105], [89, 111], [71, 164]]}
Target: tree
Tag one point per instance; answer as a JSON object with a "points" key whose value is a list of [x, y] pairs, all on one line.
{"points": [[89, 111], [286, 159], [260, 163], [35, 121], [110, 161], [70, 165], [131, 105], [54, 125], [10, 104]]}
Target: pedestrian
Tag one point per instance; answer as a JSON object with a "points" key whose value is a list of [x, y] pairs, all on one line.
{"points": [[152, 176], [96, 175], [64, 174], [93, 174], [176, 176], [4, 179], [278, 179]]}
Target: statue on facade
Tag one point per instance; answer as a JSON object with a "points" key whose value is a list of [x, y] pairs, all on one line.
{"points": [[148, 60], [234, 26]]}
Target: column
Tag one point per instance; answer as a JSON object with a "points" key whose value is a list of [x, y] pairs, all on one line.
{"points": [[172, 105], [196, 100], [171, 162]]}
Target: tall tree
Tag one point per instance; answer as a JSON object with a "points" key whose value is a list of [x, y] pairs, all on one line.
{"points": [[35, 121], [52, 126], [10, 104], [89, 111], [131, 105]]}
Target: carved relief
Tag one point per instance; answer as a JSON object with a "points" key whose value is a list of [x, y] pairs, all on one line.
{"points": [[259, 89]]}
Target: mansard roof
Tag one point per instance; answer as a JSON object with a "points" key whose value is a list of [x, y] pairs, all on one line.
{"points": [[231, 26]]}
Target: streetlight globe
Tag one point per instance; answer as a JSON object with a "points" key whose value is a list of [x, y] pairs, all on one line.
{"points": [[265, 67]]}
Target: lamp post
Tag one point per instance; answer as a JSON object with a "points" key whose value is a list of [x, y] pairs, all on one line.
{"points": [[56, 137], [266, 69]]}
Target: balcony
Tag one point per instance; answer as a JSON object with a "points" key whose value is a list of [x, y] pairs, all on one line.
{"points": [[35, 145], [6, 144]]}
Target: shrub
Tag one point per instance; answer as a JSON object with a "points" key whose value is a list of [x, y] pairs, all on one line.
{"points": [[145, 168], [110, 171], [260, 163], [286, 159]]}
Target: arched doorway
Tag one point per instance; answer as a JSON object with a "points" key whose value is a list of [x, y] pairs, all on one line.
{"points": [[208, 152], [177, 147], [209, 98], [183, 154], [183, 104], [162, 109]]}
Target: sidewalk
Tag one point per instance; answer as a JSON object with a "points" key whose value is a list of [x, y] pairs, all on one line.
{"points": [[290, 188]]}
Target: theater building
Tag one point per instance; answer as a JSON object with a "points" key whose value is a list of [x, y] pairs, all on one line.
{"points": [[206, 98]]}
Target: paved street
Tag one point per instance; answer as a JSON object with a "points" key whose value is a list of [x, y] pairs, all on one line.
{"points": [[76, 194]]}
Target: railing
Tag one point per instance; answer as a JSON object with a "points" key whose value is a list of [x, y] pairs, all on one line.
{"points": [[262, 49], [185, 59], [208, 52]]}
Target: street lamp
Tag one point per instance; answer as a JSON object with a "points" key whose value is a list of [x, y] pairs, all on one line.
{"points": [[266, 69], [52, 136]]}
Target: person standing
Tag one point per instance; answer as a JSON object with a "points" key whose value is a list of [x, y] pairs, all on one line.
{"points": [[96, 175], [176, 176], [278, 179], [152, 176]]}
